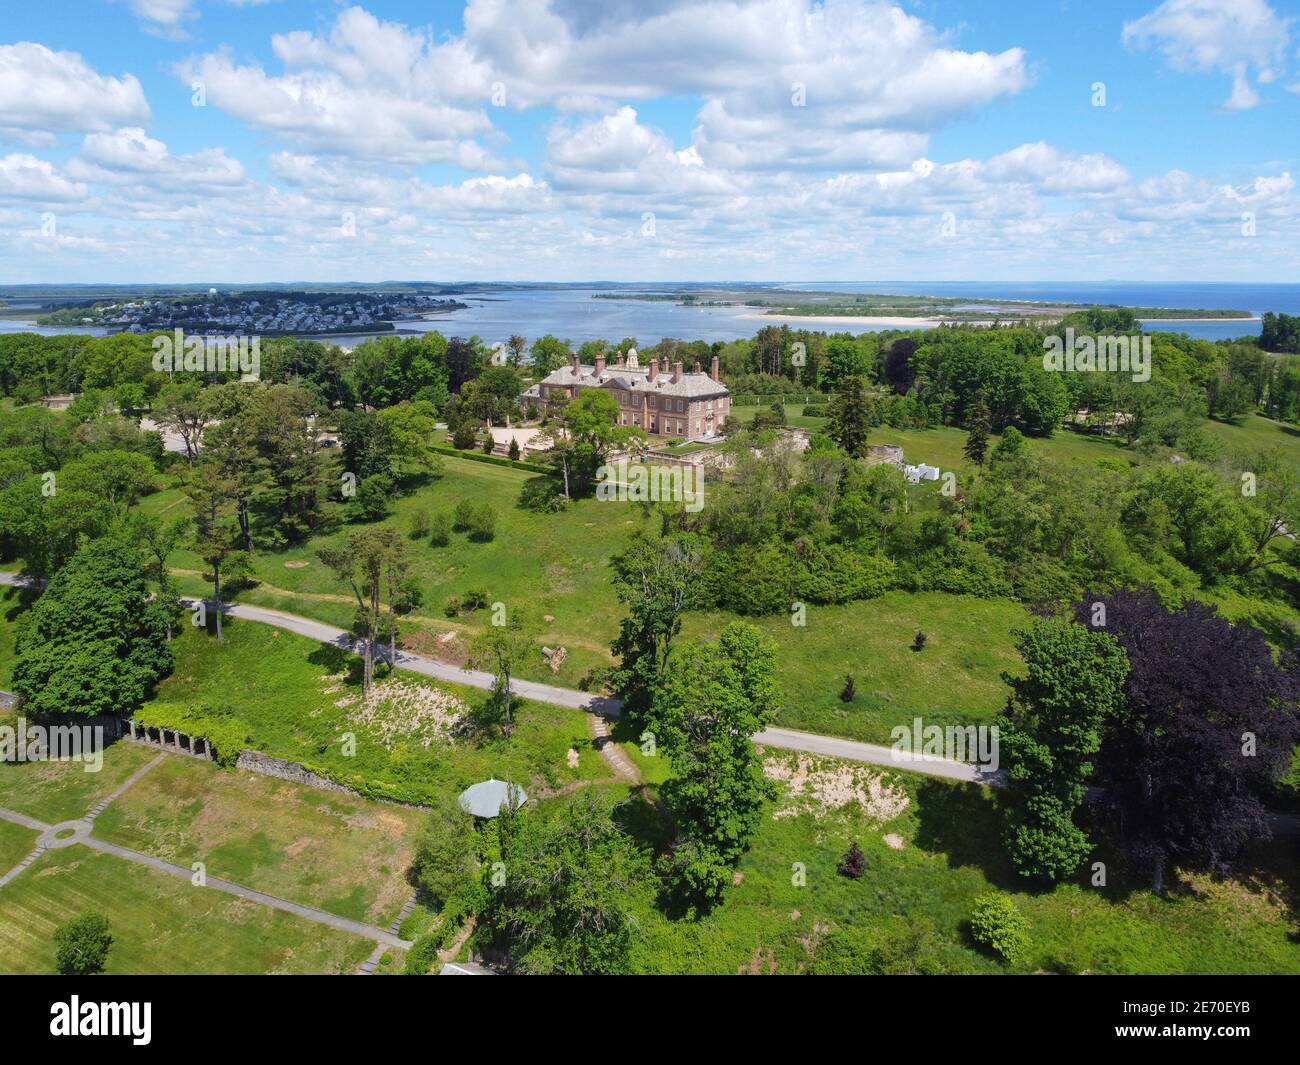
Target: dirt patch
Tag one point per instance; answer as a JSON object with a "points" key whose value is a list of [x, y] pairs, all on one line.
{"points": [[443, 646], [296, 564], [895, 841], [819, 785]]}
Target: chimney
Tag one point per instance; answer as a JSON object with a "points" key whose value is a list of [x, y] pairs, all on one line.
{"points": [[622, 360], [713, 369], [653, 370], [600, 366], [696, 367], [573, 359], [677, 372]]}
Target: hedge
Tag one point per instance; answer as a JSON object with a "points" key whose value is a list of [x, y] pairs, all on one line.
{"points": [[495, 460]]}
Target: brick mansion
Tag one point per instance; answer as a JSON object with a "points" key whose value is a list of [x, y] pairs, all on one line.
{"points": [[690, 405]]}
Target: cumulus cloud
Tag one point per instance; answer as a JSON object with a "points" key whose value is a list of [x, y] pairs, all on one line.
{"points": [[130, 155], [24, 177], [1230, 36], [43, 93]]}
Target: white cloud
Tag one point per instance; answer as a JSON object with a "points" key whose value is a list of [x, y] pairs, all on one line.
{"points": [[1230, 36], [129, 155], [43, 93], [24, 177]]}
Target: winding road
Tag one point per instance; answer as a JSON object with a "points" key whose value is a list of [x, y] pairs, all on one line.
{"points": [[601, 705]]}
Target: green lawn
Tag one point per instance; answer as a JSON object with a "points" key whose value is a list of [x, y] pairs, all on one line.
{"points": [[63, 791], [328, 850], [16, 843], [1257, 433], [160, 923], [299, 699], [955, 679], [946, 852]]}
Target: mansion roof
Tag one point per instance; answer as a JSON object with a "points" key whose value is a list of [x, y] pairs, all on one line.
{"points": [[636, 379]]}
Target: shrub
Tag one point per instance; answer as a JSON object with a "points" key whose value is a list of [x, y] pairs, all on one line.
{"points": [[371, 501], [918, 643], [452, 606], [423, 953], [854, 863], [440, 528], [464, 515], [474, 599], [81, 945], [463, 436], [409, 596], [513, 450], [848, 691], [237, 572], [995, 923], [483, 523], [488, 444], [419, 527]]}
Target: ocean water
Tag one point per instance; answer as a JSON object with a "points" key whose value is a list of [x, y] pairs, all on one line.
{"points": [[573, 314]]}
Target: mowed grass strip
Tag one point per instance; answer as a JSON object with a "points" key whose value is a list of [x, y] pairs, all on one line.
{"points": [[332, 851], [16, 842], [160, 923], [54, 791]]}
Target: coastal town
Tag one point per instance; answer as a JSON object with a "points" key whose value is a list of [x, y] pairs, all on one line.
{"points": [[264, 313]]}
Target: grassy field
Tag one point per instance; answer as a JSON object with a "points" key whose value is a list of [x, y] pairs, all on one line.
{"points": [[16, 843], [299, 698], [332, 851], [564, 557], [160, 923], [955, 679], [1258, 433], [63, 791], [943, 851]]}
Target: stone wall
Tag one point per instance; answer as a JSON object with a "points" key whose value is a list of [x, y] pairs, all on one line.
{"points": [[257, 762]]}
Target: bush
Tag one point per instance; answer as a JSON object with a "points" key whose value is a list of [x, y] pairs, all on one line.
{"points": [[513, 450], [409, 596], [996, 924], [848, 691], [474, 599], [81, 945], [918, 643], [371, 501], [423, 953], [483, 524], [854, 863], [488, 444], [237, 572], [440, 528], [464, 515], [452, 606], [419, 527]]}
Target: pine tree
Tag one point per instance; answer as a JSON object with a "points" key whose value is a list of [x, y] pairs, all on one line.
{"points": [[977, 424], [848, 417], [848, 691]]}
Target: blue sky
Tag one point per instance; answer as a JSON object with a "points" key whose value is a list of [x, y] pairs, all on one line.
{"points": [[238, 140]]}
